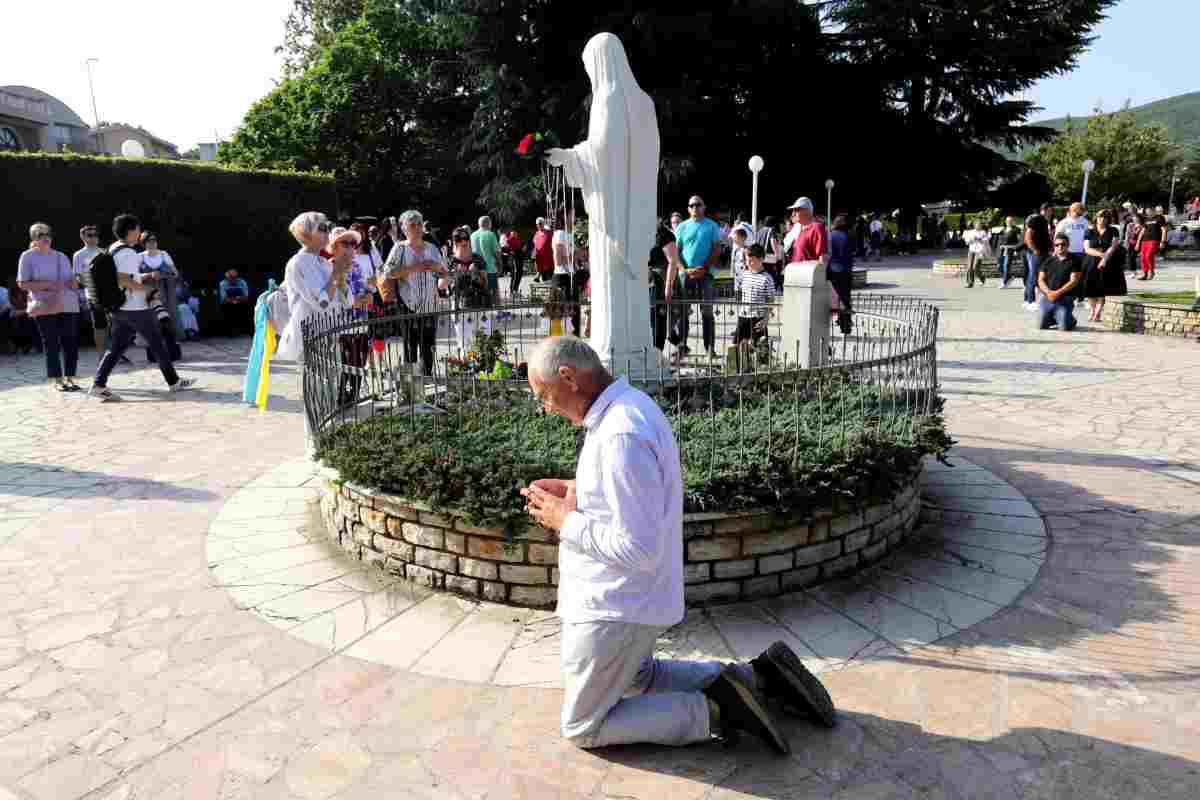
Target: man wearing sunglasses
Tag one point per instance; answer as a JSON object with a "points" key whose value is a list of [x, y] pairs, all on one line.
{"points": [[1058, 275], [80, 261], [699, 240]]}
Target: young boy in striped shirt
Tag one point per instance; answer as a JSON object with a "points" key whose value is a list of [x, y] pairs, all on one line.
{"points": [[756, 290]]}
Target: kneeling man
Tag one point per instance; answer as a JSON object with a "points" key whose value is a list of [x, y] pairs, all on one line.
{"points": [[620, 534], [1058, 275]]}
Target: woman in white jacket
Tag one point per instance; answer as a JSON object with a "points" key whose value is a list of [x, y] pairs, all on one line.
{"points": [[314, 286]]}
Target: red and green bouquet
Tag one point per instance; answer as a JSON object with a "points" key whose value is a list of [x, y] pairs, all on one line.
{"points": [[534, 145]]}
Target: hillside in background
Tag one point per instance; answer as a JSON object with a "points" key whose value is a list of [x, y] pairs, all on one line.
{"points": [[1181, 115]]}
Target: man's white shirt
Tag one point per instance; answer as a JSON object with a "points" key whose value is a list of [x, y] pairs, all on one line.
{"points": [[620, 555]]}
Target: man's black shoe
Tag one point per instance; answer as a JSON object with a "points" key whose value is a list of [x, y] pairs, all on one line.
{"points": [[788, 680], [740, 711]]}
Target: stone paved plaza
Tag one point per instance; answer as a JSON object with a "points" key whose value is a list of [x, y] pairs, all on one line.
{"points": [[175, 626]]}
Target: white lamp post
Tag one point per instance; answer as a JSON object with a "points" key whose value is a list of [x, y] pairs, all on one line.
{"points": [[829, 211], [756, 165], [95, 113], [1174, 177], [1088, 166]]}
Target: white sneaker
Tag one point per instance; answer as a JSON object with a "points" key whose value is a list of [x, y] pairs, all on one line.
{"points": [[103, 394], [1032, 307], [182, 385]]}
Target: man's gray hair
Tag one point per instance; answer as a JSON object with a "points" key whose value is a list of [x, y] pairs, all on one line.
{"points": [[485, 223], [411, 217], [562, 351]]}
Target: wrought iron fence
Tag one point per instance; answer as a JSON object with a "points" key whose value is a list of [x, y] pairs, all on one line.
{"points": [[451, 372]]}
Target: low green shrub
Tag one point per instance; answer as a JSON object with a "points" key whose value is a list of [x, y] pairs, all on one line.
{"points": [[788, 446]]}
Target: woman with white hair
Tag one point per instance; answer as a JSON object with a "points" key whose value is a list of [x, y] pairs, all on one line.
{"points": [[411, 278], [314, 287]]}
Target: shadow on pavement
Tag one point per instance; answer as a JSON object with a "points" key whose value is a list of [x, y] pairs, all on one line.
{"points": [[1027, 366], [1111, 605], [868, 756], [39, 480]]}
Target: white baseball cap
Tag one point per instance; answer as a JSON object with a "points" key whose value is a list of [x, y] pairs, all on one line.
{"points": [[801, 202]]}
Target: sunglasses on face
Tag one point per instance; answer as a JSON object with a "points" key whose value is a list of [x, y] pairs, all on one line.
{"points": [[324, 227], [695, 205], [41, 236]]}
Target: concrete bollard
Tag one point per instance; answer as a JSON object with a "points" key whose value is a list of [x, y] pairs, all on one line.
{"points": [[805, 312]]}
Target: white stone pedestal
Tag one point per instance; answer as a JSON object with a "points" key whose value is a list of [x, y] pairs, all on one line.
{"points": [[805, 312]]}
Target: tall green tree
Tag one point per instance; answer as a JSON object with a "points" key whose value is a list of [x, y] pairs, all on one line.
{"points": [[716, 72], [950, 70], [1132, 161], [375, 115]]}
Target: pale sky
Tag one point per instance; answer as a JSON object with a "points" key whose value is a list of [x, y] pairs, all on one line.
{"points": [[1146, 52], [179, 68], [188, 71]]}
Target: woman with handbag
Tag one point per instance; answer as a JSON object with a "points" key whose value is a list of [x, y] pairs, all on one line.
{"points": [[468, 287], [53, 304], [411, 278], [346, 251]]}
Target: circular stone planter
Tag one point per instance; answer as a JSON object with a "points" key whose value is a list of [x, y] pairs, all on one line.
{"points": [[727, 557], [1157, 319], [955, 267]]}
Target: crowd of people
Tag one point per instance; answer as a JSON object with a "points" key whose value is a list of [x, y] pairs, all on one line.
{"points": [[56, 289], [399, 265], [1072, 259], [218, 309]]}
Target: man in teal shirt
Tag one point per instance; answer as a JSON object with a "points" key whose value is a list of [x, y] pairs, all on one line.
{"points": [[699, 241], [486, 245]]}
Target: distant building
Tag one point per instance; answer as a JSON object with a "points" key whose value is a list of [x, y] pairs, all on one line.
{"points": [[30, 119], [111, 135], [208, 151]]}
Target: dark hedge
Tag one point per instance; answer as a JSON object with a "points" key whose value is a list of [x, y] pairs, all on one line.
{"points": [[208, 217]]}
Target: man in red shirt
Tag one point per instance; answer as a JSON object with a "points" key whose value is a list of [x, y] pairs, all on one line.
{"points": [[807, 240], [543, 250]]}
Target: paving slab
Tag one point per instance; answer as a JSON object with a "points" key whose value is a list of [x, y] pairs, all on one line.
{"points": [[1084, 686]]}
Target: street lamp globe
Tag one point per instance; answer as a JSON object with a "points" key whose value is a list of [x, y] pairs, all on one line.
{"points": [[829, 183], [756, 164], [1089, 165]]}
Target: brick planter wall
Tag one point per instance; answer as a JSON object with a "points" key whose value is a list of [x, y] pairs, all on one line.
{"points": [[727, 556], [955, 267], [1157, 319]]}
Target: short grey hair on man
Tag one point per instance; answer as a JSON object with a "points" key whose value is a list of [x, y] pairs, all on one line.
{"points": [[411, 217], [485, 223], [562, 351]]}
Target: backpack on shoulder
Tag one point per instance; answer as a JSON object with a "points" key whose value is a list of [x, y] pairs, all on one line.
{"points": [[102, 270]]}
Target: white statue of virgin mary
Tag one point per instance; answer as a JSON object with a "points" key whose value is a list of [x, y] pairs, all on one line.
{"points": [[617, 171]]}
